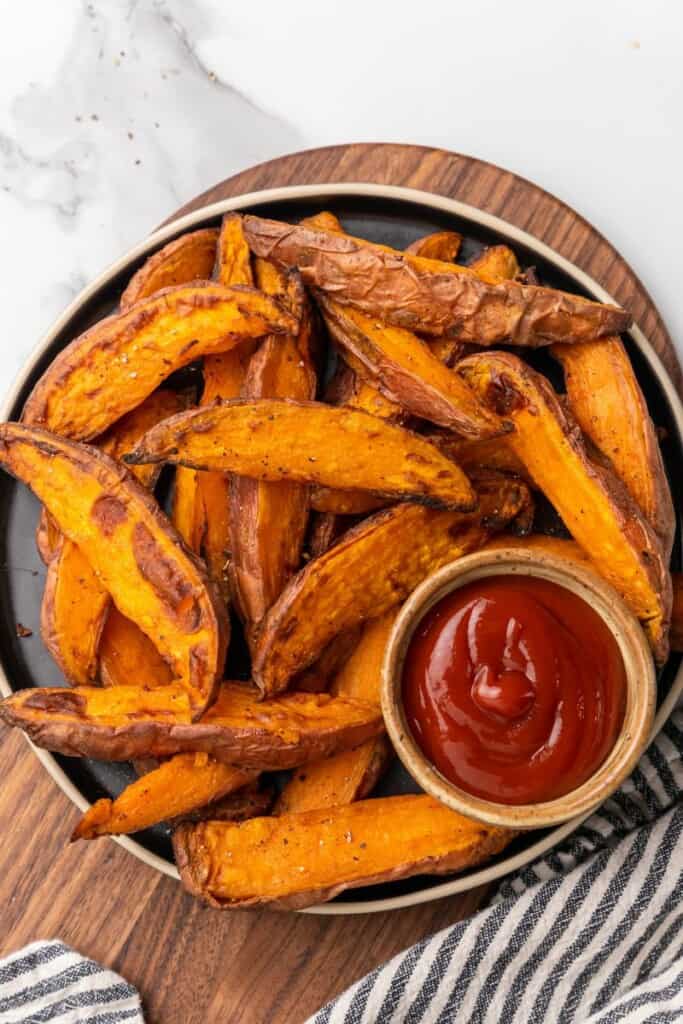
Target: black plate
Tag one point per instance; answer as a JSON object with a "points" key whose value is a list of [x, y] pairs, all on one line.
{"points": [[26, 662]]}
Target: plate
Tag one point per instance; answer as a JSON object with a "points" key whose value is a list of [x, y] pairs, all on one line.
{"points": [[389, 214]]}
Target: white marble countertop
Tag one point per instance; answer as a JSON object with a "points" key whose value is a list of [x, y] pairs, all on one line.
{"points": [[113, 113]]}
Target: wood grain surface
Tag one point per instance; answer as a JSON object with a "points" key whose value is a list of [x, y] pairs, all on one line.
{"points": [[196, 965]]}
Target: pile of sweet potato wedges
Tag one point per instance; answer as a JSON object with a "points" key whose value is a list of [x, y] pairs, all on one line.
{"points": [[355, 430]]}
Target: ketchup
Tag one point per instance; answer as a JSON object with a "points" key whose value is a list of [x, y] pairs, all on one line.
{"points": [[514, 688]]}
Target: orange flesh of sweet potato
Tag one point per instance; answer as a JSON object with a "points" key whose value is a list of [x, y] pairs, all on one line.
{"points": [[127, 722], [252, 801], [440, 245], [404, 368], [113, 366], [188, 258], [261, 861], [491, 453], [351, 775], [317, 678], [308, 442], [75, 603], [233, 259], [177, 787], [132, 548], [605, 398], [268, 519], [127, 656], [188, 514], [595, 507], [431, 296], [344, 503], [495, 264], [371, 568]]}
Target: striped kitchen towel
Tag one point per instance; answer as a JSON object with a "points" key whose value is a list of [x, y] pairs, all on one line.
{"points": [[48, 983], [593, 932]]}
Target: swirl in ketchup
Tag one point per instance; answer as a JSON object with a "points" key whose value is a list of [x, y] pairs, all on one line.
{"points": [[514, 688]]}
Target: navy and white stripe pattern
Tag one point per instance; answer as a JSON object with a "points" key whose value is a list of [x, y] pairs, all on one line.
{"points": [[48, 983], [593, 932]]}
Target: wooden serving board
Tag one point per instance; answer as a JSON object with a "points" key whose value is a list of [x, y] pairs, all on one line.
{"points": [[192, 964]]}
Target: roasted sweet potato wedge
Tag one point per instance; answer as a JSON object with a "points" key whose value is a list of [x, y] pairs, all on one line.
{"points": [[344, 503], [132, 548], [353, 774], [596, 508], [127, 722], [430, 296], [268, 519], [233, 259], [324, 529], [72, 613], [492, 453], [440, 245], [177, 787], [308, 442], [126, 655], [260, 861], [90, 384], [188, 514], [318, 677], [371, 568], [605, 398], [75, 603], [188, 258], [405, 370], [495, 264], [253, 801]]}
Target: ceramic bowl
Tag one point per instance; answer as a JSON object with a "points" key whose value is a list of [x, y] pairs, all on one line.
{"points": [[640, 685]]}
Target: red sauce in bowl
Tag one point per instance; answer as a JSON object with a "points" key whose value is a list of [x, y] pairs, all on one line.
{"points": [[514, 688]]}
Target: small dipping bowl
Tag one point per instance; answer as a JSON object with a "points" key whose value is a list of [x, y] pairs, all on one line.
{"points": [[640, 696]]}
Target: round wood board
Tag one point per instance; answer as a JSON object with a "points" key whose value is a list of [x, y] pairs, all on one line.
{"points": [[258, 966]]}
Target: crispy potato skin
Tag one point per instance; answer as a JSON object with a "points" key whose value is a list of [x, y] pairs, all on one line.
{"points": [[268, 519], [370, 569], [176, 788], [353, 774], [188, 258], [127, 656], [440, 245], [125, 723], [596, 508], [605, 399], [431, 296], [405, 370], [91, 384], [308, 442], [339, 848], [132, 548]]}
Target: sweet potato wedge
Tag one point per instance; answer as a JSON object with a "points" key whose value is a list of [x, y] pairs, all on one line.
{"points": [[260, 861], [344, 503], [317, 678], [72, 613], [188, 258], [253, 801], [428, 295], [492, 453], [605, 399], [496, 264], [405, 370], [596, 508], [440, 245], [90, 384], [177, 787], [75, 603], [132, 548], [127, 722], [126, 655], [308, 442], [353, 774], [371, 568], [188, 513], [233, 259], [324, 529], [268, 519]]}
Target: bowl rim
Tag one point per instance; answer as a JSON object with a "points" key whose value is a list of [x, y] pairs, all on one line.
{"points": [[641, 685], [398, 193]]}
